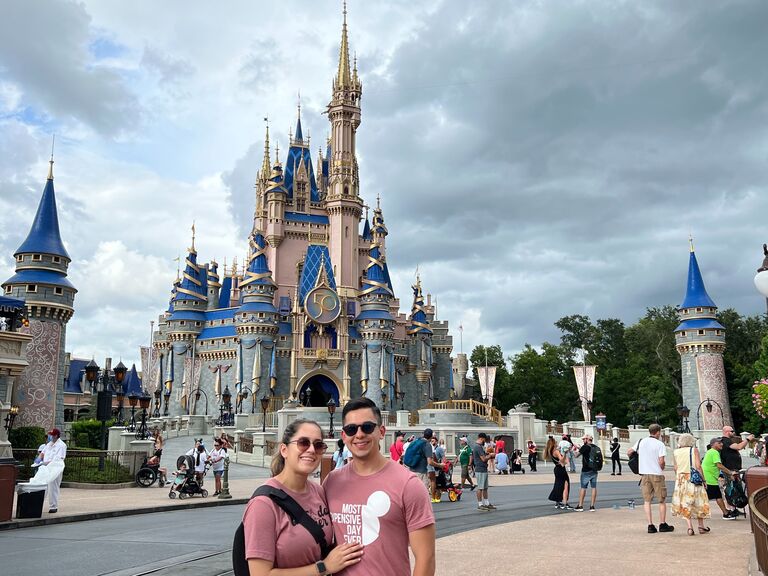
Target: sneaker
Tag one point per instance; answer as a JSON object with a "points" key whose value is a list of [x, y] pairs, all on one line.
{"points": [[652, 529], [53, 511], [729, 516], [490, 507], [568, 507], [435, 500], [472, 488], [591, 508], [619, 474], [559, 505], [483, 508], [579, 509], [612, 474], [664, 527]]}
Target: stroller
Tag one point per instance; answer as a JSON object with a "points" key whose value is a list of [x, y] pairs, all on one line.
{"points": [[147, 474], [186, 484], [444, 482]]}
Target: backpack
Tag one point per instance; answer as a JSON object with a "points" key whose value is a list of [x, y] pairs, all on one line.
{"points": [[634, 460], [415, 453], [297, 515], [734, 493], [595, 458]]}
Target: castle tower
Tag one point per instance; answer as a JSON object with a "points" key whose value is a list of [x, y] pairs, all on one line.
{"points": [[342, 200], [214, 286], [257, 321], [41, 282], [420, 355], [376, 324], [700, 341], [185, 323]]}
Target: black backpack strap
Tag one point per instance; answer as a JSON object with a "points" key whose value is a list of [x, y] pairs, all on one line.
{"points": [[296, 513]]}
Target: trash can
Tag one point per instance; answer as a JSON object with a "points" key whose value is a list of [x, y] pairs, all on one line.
{"points": [[29, 500], [755, 478], [8, 473]]}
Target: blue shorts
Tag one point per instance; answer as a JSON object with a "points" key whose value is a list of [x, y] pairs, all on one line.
{"points": [[588, 478], [218, 473]]}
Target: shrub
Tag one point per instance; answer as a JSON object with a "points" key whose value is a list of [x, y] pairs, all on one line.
{"points": [[91, 428], [82, 441], [27, 437]]}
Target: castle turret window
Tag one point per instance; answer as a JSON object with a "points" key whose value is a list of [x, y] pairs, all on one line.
{"points": [[31, 287], [58, 291], [56, 259], [701, 332], [36, 257], [20, 258]]}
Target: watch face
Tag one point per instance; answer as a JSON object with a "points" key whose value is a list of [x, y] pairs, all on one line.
{"points": [[320, 567], [322, 305]]}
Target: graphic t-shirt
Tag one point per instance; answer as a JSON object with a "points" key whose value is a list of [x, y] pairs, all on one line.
{"points": [[378, 511], [464, 454], [270, 536], [480, 464], [709, 466]]}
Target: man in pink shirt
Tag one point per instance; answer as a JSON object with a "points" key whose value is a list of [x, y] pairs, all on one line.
{"points": [[396, 449], [379, 503]]}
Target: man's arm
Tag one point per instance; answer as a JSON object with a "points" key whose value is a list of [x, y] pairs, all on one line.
{"points": [[661, 462], [739, 445], [423, 545]]}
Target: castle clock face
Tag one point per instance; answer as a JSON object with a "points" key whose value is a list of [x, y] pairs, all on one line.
{"points": [[322, 305]]}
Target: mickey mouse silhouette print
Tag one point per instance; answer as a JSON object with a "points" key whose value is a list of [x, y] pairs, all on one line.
{"points": [[361, 521]]}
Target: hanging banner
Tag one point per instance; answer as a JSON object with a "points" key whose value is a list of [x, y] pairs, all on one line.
{"points": [[256, 373], [585, 383], [487, 377]]}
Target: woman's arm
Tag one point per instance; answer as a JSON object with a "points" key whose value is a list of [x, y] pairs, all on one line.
{"points": [[339, 558]]}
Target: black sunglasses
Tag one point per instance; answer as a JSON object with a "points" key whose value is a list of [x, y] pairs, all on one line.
{"points": [[366, 427], [304, 444]]}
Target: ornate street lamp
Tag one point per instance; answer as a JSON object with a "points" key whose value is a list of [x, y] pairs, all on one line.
{"points": [[156, 413], [683, 412], [198, 392], [13, 411], [331, 410], [133, 400], [145, 401], [264, 406], [708, 405], [167, 400], [119, 372], [226, 407], [401, 396]]}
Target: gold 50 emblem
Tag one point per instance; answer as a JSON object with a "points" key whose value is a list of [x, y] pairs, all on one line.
{"points": [[323, 305]]}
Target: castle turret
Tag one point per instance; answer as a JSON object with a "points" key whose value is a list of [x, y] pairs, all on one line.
{"points": [[700, 341], [342, 201], [420, 357], [41, 282], [214, 286], [276, 197]]}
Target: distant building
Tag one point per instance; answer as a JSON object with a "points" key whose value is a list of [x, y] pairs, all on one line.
{"points": [[312, 314]]}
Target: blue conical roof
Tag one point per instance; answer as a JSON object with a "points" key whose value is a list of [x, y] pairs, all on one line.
{"points": [[132, 382], [44, 236], [298, 129], [367, 231], [376, 280], [258, 271], [419, 322], [193, 282], [696, 294]]}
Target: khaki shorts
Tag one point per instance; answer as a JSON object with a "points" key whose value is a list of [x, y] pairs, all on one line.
{"points": [[653, 485]]}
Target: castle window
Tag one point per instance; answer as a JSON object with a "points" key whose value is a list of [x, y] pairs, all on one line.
{"points": [[261, 314], [197, 323], [7, 289], [36, 257], [718, 332], [682, 334], [701, 332], [58, 291], [56, 259], [182, 323], [354, 341], [282, 338], [20, 258], [698, 309], [346, 232], [31, 287]]}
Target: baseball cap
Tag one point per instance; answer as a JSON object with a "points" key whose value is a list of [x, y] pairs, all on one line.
{"points": [[463, 439], [54, 432], [427, 432]]}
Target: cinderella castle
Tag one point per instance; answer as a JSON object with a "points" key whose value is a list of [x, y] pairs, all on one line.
{"points": [[311, 316]]}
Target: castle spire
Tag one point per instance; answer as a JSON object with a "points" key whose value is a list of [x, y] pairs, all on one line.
{"points": [[44, 236], [266, 169], [343, 76], [696, 294], [298, 136]]}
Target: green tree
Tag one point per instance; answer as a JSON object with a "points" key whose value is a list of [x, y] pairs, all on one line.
{"points": [[493, 356]]}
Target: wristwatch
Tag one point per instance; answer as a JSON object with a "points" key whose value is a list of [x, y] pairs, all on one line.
{"points": [[321, 569]]}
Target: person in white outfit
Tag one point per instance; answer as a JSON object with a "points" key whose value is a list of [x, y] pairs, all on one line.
{"points": [[54, 451]]}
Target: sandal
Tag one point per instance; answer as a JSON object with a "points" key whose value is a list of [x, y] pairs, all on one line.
{"points": [[691, 532], [704, 530]]}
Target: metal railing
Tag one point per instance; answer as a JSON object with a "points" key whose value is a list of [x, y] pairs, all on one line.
{"points": [[392, 418], [87, 466], [758, 507], [477, 408], [623, 435], [246, 444], [556, 429], [576, 432]]}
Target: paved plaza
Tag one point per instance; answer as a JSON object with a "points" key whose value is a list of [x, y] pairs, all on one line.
{"points": [[524, 535]]}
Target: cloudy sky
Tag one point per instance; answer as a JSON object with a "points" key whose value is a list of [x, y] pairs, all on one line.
{"points": [[534, 158]]}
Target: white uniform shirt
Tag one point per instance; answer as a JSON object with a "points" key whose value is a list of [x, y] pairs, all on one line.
{"points": [[203, 457], [649, 453], [54, 451]]}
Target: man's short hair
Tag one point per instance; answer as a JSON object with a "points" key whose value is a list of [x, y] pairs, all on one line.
{"points": [[654, 429], [428, 433], [483, 435], [361, 404]]}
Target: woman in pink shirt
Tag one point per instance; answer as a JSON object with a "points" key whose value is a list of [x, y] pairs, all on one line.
{"points": [[396, 450], [271, 541]]}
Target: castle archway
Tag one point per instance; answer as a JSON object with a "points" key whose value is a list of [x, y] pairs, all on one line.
{"points": [[318, 388]]}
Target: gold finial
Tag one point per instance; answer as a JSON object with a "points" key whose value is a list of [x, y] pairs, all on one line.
{"points": [[178, 267], [690, 241], [50, 162], [277, 153], [299, 104], [192, 249], [378, 201], [224, 267]]}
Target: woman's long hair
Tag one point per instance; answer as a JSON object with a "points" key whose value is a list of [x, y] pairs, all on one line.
{"points": [[340, 444], [551, 443], [278, 462]]}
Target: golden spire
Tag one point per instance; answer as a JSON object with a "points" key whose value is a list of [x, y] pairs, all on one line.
{"points": [[277, 153], [265, 167], [690, 241], [50, 162], [343, 78], [192, 249]]}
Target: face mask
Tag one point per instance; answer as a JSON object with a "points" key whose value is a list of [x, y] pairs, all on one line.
{"points": [[50, 438]]}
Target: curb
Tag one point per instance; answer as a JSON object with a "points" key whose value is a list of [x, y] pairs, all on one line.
{"points": [[51, 520]]}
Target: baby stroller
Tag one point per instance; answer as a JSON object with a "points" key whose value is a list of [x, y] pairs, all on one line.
{"points": [[185, 484], [444, 482]]}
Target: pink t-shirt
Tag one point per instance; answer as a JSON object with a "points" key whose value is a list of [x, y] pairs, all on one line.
{"points": [[378, 511], [269, 534], [396, 450]]}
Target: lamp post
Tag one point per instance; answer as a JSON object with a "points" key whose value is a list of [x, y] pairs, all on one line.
{"points": [[157, 394], [331, 411], [197, 399], [13, 411], [401, 396], [133, 399], [264, 406], [683, 412], [145, 401], [707, 402], [225, 410], [166, 401], [103, 398], [119, 372]]}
